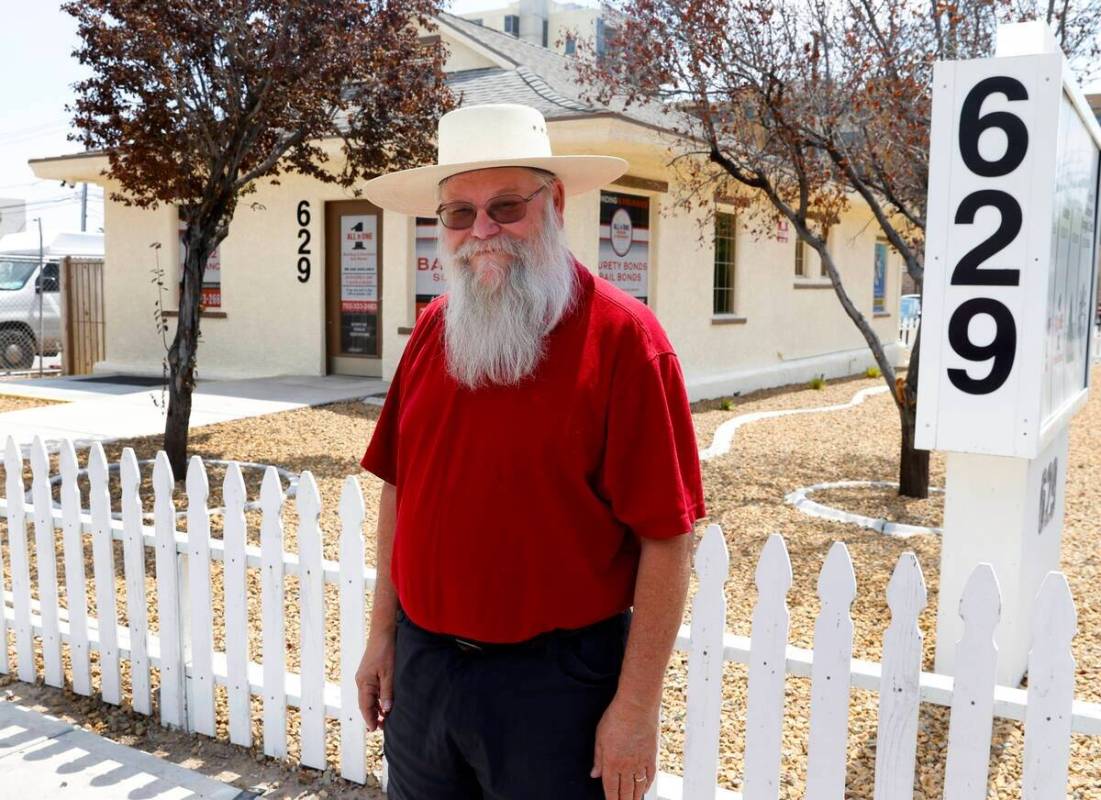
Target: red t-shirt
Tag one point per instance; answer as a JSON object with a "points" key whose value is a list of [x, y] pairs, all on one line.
{"points": [[518, 506]]}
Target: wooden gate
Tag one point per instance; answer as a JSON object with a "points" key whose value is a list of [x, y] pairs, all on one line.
{"points": [[82, 320]]}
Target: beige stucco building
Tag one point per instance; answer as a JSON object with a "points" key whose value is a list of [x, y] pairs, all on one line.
{"points": [[312, 281]]}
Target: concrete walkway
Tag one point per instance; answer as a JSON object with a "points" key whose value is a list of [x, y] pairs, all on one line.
{"points": [[44, 758], [98, 411]]}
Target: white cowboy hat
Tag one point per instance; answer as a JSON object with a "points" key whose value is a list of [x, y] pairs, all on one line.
{"points": [[480, 137]]}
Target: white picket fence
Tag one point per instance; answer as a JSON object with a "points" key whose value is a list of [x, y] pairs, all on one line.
{"points": [[189, 666], [907, 330]]}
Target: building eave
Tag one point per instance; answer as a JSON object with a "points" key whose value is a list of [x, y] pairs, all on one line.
{"points": [[86, 167]]}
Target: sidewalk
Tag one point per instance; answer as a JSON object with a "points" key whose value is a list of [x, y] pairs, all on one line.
{"points": [[44, 758], [98, 411]]}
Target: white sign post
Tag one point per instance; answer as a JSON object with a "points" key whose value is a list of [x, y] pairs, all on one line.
{"points": [[1010, 275]]}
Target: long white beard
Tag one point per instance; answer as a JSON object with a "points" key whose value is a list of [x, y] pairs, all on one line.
{"points": [[495, 324]]}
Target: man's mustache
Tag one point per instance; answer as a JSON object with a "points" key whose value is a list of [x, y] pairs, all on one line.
{"points": [[498, 244]]}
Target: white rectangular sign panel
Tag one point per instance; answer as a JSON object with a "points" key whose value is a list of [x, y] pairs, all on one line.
{"points": [[1011, 255], [358, 257]]}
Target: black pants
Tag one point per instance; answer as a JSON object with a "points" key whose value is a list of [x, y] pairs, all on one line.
{"points": [[500, 724]]}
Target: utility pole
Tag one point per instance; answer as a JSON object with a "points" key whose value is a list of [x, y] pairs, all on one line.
{"points": [[83, 207]]}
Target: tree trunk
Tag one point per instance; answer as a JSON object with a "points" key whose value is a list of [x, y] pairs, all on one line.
{"points": [[913, 469], [181, 356], [913, 464]]}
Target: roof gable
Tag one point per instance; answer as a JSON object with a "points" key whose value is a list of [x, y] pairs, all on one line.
{"points": [[542, 78]]}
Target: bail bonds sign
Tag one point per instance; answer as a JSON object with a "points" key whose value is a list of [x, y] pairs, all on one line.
{"points": [[624, 257], [1011, 255]]}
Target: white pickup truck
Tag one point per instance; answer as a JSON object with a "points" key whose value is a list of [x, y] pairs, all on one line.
{"points": [[30, 311]]}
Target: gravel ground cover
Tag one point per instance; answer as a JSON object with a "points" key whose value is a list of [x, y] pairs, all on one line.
{"points": [[10, 403], [744, 491]]}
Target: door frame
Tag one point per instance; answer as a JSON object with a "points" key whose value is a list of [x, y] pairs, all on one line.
{"points": [[335, 361]]}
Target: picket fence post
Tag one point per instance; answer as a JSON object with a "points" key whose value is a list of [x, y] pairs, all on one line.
{"points": [[103, 568], [5, 664], [201, 696], [133, 548], [767, 672], [271, 605], [972, 720], [73, 546], [235, 588], [46, 559], [353, 727], [311, 628], [705, 666], [1051, 670], [830, 675], [20, 563], [173, 695], [896, 737]]}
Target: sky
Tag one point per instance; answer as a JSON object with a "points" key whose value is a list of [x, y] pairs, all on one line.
{"points": [[38, 73]]}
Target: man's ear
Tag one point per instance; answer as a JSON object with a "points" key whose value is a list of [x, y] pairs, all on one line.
{"points": [[559, 195]]}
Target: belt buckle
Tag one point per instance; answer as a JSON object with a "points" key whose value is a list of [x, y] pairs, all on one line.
{"points": [[466, 646]]}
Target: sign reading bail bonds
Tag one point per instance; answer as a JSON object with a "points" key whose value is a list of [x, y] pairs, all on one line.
{"points": [[429, 282], [212, 272], [1011, 256], [624, 257], [359, 284]]}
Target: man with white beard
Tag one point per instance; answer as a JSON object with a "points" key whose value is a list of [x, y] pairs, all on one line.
{"points": [[540, 486]]}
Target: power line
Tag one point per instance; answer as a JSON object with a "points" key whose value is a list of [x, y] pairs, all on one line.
{"points": [[33, 204], [26, 137]]}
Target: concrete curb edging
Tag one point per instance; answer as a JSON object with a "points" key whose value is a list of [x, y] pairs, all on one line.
{"points": [[799, 499], [724, 434]]}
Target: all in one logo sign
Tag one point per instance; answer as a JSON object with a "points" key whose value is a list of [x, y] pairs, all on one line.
{"points": [[359, 284], [1011, 256], [624, 257]]}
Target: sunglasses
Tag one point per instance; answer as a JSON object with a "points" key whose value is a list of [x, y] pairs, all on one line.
{"points": [[504, 208]]}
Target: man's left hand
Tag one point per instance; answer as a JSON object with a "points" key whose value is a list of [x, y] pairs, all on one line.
{"points": [[626, 749]]}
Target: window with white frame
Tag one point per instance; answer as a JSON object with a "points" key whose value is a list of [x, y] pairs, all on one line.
{"points": [[725, 258], [805, 256], [512, 24]]}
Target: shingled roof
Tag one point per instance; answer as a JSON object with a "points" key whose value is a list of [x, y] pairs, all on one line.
{"points": [[534, 76]]}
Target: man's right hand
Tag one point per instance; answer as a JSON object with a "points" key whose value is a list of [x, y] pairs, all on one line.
{"points": [[375, 679]]}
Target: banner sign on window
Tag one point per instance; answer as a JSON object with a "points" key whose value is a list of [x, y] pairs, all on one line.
{"points": [[359, 284], [430, 281], [624, 257], [879, 281], [212, 274]]}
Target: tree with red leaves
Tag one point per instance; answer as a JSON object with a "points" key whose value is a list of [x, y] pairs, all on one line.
{"points": [[799, 108], [195, 101]]}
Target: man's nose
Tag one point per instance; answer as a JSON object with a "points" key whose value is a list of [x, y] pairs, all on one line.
{"points": [[484, 226]]}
